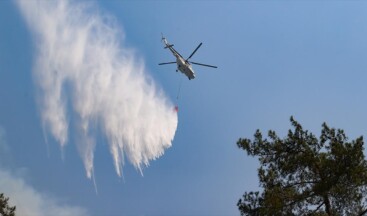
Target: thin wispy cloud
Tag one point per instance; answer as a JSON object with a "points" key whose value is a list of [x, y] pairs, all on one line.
{"points": [[27, 199], [87, 76]]}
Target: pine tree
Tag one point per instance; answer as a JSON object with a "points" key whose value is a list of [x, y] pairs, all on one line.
{"points": [[5, 209], [303, 175]]}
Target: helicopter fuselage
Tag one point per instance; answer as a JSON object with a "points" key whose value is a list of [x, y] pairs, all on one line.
{"points": [[184, 67]]}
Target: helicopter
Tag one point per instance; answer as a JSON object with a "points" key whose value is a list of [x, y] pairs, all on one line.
{"points": [[183, 65]]}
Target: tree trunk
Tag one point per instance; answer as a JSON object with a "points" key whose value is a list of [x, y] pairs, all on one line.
{"points": [[327, 205]]}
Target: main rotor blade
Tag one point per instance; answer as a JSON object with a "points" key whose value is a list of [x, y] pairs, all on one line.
{"points": [[194, 51], [203, 64], [167, 63]]}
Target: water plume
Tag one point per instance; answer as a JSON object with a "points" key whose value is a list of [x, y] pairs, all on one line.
{"points": [[86, 75]]}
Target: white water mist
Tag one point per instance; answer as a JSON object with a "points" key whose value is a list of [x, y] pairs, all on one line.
{"points": [[80, 60]]}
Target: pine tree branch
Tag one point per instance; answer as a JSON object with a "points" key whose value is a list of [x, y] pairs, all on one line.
{"points": [[363, 212], [314, 211]]}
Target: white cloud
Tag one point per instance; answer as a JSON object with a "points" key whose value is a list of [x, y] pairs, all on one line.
{"points": [[81, 60], [30, 202]]}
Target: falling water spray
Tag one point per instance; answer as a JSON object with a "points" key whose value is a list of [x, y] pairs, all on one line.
{"points": [[83, 69]]}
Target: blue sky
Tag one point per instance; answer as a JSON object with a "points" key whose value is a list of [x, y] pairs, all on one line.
{"points": [[275, 59]]}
